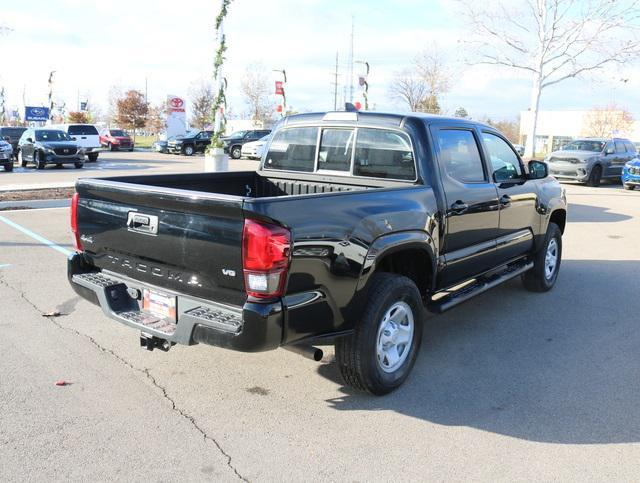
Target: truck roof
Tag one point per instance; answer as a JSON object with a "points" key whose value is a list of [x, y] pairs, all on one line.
{"points": [[372, 117]]}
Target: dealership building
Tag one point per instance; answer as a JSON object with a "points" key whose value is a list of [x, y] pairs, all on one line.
{"points": [[556, 128]]}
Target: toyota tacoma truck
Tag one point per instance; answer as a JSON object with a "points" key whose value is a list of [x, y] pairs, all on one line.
{"points": [[354, 227]]}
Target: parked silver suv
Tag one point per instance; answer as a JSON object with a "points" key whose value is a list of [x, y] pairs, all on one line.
{"points": [[590, 160]]}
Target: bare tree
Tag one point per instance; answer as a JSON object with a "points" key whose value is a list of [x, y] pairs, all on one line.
{"points": [[553, 40], [607, 121], [407, 87], [202, 98], [257, 92], [422, 86]]}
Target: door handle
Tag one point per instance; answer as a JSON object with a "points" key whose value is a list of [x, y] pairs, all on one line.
{"points": [[459, 207], [505, 200]]}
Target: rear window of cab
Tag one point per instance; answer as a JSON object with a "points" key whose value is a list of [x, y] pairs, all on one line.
{"points": [[366, 152], [82, 130]]}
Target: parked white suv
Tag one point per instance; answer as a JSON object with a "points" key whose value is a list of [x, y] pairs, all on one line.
{"points": [[86, 136]]}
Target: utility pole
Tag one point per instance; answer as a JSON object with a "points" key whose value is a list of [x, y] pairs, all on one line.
{"points": [[335, 85], [351, 63]]}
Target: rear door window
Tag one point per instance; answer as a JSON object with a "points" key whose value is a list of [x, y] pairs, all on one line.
{"points": [[82, 130], [383, 154], [620, 147], [293, 149], [460, 156], [336, 148]]}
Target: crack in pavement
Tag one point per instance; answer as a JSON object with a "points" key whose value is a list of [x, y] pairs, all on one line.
{"points": [[145, 371]]}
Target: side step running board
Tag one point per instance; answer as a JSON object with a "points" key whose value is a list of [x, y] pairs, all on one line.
{"points": [[482, 284]]}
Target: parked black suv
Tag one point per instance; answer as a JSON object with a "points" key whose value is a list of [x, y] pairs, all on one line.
{"points": [[13, 133], [233, 143], [354, 225], [43, 146], [190, 143]]}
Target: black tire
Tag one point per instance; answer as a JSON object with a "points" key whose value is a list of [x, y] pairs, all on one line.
{"points": [[236, 152], [629, 187], [595, 176], [538, 278], [78, 165], [356, 355], [21, 160], [188, 150], [130, 149], [92, 158], [9, 166], [37, 158]]}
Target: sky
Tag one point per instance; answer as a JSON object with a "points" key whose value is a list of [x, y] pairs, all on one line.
{"points": [[168, 47]]}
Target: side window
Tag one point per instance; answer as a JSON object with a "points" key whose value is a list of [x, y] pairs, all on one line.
{"points": [[630, 147], [336, 146], [505, 165], [293, 149], [609, 148], [383, 154], [460, 156], [620, 147]]}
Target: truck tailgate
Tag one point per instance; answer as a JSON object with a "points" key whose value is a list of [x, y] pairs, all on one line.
{"points": [[168, 238]]}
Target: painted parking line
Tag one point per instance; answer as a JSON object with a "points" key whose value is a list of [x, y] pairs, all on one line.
{"points": [[5, 265], [35, 236]]}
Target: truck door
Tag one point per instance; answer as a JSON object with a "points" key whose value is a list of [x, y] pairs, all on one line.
{"points": [[472, 214], [516, 195]]}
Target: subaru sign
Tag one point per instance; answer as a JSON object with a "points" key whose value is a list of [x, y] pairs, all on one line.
{"points": [[32, 113]]}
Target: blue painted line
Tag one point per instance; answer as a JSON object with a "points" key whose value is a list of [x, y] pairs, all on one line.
{"points": [[35, 236]]}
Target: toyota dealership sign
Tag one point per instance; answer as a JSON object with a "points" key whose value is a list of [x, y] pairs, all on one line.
{"points": [[176, 116]]}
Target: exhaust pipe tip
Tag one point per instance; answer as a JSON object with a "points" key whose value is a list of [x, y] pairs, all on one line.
{"points": [[308, 351]]}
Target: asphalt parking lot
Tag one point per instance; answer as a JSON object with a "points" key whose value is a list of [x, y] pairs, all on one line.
{"points": [[509, 386], [110, 164]]}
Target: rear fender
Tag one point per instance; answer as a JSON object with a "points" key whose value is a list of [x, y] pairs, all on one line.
{"points": [[397, 242]]}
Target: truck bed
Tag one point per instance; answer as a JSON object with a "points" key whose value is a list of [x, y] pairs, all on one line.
{"points": [[244, 184]]}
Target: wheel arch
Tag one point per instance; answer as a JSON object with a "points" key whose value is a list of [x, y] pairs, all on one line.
{"points": [[410, 253], [559, 217]]}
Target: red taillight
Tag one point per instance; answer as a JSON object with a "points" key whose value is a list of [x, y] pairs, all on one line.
{"points": [[74, 222], [265, 258]]}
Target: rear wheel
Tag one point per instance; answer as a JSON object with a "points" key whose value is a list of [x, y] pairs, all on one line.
{"points": [[236, 152], [380, 354], [546, 263], [629, 187], [9, 166], [38, 159], [595, 176], [92, 157], [188, 150]]}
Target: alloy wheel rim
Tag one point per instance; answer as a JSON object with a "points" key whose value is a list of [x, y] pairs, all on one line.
{"points": [[551, 259], [395, 336]]}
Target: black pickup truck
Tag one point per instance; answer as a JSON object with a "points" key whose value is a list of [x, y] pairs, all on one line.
{"points": [[354, 226]]}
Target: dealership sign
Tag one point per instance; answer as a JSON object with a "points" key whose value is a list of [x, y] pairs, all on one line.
{"points": [[32, 113], [175, 104], [176, 121]]}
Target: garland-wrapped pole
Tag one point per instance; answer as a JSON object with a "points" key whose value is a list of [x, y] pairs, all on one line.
{"points": [[220, 101]]}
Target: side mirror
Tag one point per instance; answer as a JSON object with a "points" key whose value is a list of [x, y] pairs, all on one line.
{"points": [[609, 151], [537, 170], [29, 140], [73, 138]]}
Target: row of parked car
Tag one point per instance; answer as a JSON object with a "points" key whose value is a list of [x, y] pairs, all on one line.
{"points": [[58, 144], [240, 144]]}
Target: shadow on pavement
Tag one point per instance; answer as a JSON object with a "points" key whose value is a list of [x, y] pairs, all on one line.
{"points": [[561, 367], [593, 214]]}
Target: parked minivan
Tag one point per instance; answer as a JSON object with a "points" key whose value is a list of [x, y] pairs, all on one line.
{"points": [[85, 135]]}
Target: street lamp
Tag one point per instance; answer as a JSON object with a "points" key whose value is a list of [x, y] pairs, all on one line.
{"points": [[364, 82], [284, 97]]}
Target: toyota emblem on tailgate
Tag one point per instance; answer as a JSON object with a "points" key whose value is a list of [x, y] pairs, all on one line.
{"points": [[141, 223]]}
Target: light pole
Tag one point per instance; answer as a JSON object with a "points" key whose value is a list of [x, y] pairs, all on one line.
{"points": [[365, 82], [284, 96]]}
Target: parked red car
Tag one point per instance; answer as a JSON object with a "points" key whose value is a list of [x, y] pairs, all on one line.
{"points": [[115, 140]]}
